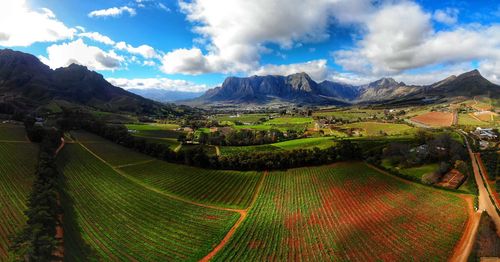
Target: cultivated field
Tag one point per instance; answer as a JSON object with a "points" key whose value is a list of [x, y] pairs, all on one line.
{"points": [[17, 170], [347, 212], [377, 128], [351, 114], [223, 188], [155, 130], [120, 220], [306, 143], [11, 132], [435, 119], [470, 120]]}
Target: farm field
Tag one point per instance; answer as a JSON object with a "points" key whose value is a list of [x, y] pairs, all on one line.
{"points": [[230, 150], [289, 121], [16, 178], [435, 119], [171, 142], [351, 114], [378, 129], [347, 211], [468, 120], [232, 189], [245, 118], [11, 132], [306, 143], [155, 130], [419, 171], [119, 219], [115, 154]]}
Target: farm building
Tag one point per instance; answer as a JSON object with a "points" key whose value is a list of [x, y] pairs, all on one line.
{"points": [[485, 133]]}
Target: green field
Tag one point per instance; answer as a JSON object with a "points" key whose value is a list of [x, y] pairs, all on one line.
{"points": [[114, 154], [231, 150], [12, 132], [290, 121], [351, 114], [155, 130], [17, 170], [347, 212], [378, 129], [119, 220], [415, 172], [306, 143], [215, 187], [467, 120], [245, 118]]}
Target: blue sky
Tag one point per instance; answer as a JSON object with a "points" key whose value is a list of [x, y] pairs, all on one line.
{"points": [[192, 45]]}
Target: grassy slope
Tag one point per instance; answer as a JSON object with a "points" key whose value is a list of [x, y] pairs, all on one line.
{"points": [[121, 220], [346, 212]]}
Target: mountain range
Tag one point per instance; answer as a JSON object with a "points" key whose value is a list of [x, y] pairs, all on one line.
{"points": [[301, 89], [26, 84]]}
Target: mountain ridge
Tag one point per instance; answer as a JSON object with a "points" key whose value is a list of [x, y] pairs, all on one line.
{"points": [[300, 88], [26, 84]]}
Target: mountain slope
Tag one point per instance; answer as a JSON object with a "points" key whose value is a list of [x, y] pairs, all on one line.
{"points": [[296, 88], [26, 84], [300, 88]]}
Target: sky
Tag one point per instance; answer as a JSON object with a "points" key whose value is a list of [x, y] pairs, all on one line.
{"points": [[193, 45]]}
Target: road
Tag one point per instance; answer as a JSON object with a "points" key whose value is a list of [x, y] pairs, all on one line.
{"points": [[466, 244], [485, 202]]}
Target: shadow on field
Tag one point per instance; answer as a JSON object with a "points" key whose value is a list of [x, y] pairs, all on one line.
{"points": [[75, 248]]}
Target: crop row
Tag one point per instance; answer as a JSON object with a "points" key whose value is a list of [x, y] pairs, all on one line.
{"points": [[226, 188], [121, 220], [346, 212], [17, 171]]}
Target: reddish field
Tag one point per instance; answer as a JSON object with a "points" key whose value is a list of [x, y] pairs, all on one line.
{"points": [[452, 179], [348, 211], [439, 119]]}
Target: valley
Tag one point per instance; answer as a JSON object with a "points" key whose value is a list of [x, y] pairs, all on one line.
{"points": [[350, 181]]}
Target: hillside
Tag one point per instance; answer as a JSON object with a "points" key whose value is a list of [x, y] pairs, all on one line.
{"points": [[300, 88], [27, 84]]}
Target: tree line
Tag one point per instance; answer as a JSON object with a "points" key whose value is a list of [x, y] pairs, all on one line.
{"points": [[37, 240]]}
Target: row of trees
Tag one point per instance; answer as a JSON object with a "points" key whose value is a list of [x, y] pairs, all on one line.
{"points": [[37, 241], [246, 137]]}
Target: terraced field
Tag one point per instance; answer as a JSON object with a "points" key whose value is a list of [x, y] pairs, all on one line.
{"points": [[17, 170], [223, 188], [347, 212], [120, 220]]}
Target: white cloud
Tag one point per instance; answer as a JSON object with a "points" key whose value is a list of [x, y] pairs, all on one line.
{"points": [[236, 32], [21, 26], [186, 61], [316, 69], [98, 37], [424, 77], [80, 53], [113, 12], [447, 16], [143, 50], [157, 83], [401, 37]]}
